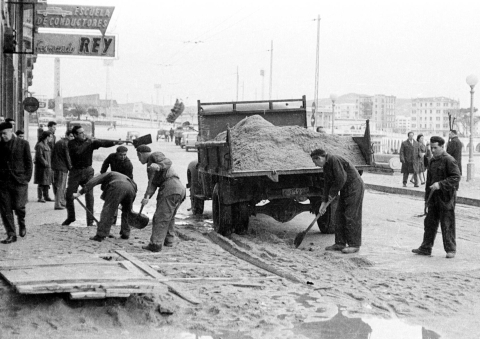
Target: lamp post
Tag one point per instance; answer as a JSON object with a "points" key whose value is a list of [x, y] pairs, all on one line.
{"points": [[472, 80], [333, 97]]}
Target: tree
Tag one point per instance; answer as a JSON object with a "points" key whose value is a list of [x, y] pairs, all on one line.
{"points": [[462, 121], [93, 112]]}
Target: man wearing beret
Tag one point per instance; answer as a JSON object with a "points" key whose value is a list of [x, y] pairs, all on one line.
{"points": [[15, 172], [119, 162], [171, 193]]}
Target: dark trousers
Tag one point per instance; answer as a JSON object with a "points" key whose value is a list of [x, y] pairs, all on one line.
{"points": [[59, 184], [438, 214], [348, 229], [79, 177], [122, 194], [13, 197], [405, 178]]}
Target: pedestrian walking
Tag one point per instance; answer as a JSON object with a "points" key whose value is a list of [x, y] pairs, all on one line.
{"points": [[443, 178], [172, 132], [171, 193], [43, 167], [118, 189], [341, 176], [421, 160], [409, 157], [454, 148], [81, 152], [61, 164], [16, 169]]}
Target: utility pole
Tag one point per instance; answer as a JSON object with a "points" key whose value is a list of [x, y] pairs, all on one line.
{"points": [[237, 83], [271, 71], [317, 67], [262, 74]]}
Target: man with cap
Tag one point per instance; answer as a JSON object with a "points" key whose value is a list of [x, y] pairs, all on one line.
{"points": [[52, 127], [118, 189], [16, 169], [454, 148], [119, 162], [81, 152], [20, 134], [61, 164], [170, 195]]}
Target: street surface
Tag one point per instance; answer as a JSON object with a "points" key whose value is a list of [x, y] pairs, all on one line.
{"points": [[384, 291]]}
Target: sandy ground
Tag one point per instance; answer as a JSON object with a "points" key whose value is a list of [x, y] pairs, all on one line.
{"points": [[384, 291]]}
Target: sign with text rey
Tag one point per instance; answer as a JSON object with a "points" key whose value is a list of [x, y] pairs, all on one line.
{"points": [[74, 17], [75, 45]]}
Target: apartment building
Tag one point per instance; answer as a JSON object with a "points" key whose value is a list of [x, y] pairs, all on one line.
{"points": [[380, 109], [430, 115], [403, 124]]}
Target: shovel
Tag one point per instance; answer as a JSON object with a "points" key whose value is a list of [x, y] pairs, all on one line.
{"points": [[300, 236], [88, 211], [138, 220], [425, 209], [143, 140]]}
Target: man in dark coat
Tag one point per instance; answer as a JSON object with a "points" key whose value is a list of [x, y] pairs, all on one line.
{"points": [[61, 164], [81, 152], [171, 193], [119, 162], [118, 189], [443, 178], [454, 148], [409, 157], [52, 127], [172, 132], [43, 175], [341, 176], [16, 169]]}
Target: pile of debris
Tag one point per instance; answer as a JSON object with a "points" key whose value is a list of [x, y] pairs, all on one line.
{"points": [[259, 145]]}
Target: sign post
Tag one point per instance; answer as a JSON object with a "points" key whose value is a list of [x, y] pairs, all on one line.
{"points": [[31, 104]]}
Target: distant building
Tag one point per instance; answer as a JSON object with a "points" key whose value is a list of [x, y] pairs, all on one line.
{"points": [[403, 124], [430, 115], [380, 109]]}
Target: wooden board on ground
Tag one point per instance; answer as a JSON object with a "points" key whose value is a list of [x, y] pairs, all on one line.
{"points": [[83, 277]]}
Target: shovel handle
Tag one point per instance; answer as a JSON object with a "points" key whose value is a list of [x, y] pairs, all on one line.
{"points": [[86, 209]]}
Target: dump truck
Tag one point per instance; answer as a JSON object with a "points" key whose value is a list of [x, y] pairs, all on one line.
{"points": [[239, 194]]}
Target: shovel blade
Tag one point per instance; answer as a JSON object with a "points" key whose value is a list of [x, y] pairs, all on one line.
{"points": [[143, 140]]}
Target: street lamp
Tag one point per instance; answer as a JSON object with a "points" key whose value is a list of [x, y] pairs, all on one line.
{"points": [[472, 80], [334, 98]]}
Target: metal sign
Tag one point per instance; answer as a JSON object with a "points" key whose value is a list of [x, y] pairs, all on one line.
{"points": [[74, 17], [30, 104], [75, 44]]}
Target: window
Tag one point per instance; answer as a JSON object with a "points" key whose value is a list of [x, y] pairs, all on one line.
{"points": [[437, 125], [414, 119], [431, 104], [414, 125], [437, 118], [431, 111], [431, 118]]}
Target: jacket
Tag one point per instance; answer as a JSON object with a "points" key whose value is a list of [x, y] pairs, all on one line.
{"points": [[121, 166], [43, 164], [81, 151], [166, 180], [454, 148], [60, 157], [410, 156], [113, 181], [339, 175], [15, 161]]}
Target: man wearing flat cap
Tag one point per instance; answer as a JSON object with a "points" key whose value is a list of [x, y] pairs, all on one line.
{"points": [[16, 169], [171, 193], [119, 162], [454, 148]]}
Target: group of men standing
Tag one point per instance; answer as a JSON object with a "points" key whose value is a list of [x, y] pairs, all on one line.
{"points": [[71, 164]]}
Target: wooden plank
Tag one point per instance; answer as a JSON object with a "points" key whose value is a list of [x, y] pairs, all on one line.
{"points": [[69, 287], [15, 264], [158, 276]]}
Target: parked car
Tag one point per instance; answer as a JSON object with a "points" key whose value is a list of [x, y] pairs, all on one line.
{"points": [[161, 134], [188, 140], [132, 135]]}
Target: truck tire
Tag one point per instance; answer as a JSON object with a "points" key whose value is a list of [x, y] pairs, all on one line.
{"points": [[197, 205], [326, 223], [241, 216], [222, 215]]}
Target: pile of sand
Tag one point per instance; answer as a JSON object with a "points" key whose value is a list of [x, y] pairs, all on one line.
{"points": [[259, 145]]}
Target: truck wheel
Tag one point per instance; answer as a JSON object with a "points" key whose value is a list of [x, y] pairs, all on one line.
{"points": [[241, 216], [197, 205], [222, 215], [182, 146], [326, 223]]}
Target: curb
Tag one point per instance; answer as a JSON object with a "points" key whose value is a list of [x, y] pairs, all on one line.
{"points": [[406, 191]]}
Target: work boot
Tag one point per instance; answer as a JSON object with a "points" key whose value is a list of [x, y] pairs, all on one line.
{"points": [[153, 247], [45, 194], [10, 239], [450, 255], [348, 250], [419, 251], [67, 222], [336, 247], [169, 242], [97, 238]]}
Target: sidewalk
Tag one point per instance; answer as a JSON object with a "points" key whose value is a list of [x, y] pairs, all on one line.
{"points": [[468, 193]]}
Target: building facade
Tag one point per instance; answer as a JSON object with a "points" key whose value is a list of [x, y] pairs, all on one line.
{"points": [[430, 115], [403, 124], [380, 109]]}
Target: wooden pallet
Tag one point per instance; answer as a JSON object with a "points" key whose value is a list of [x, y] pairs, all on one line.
{"points": [[84, 277]]}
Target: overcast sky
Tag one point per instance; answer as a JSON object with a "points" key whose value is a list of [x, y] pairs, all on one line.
{"points": [[193, 48]]}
